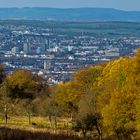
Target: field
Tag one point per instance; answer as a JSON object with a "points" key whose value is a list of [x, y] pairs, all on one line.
{"points": [[18, 128], [39, 122]]}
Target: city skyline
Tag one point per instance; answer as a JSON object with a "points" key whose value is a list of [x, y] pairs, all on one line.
{"points": [[116, 4]]}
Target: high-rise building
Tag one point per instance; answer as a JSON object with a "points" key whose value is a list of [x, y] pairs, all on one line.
{"points": [[47, 65], [26, 48], [47, 44]]}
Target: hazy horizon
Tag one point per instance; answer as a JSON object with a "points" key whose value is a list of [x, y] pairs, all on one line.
{"points": [[115, 4], [70, 8]]}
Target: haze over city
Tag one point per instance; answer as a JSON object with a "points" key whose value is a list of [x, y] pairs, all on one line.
{"points": [[127, 5]]}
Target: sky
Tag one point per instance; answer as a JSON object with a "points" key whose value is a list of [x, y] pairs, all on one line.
{"points": [[128, 5]]}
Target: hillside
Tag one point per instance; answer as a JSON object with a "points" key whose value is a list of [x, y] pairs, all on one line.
{"points": [[71, 14]]}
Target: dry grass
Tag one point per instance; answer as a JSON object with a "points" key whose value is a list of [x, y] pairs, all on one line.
{"points": [[41, 122], [7, 133], [18, 128], [23, 120]]}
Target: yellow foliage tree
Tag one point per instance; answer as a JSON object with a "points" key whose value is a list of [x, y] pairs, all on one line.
{"points": [[21, 84], [118, 98]]}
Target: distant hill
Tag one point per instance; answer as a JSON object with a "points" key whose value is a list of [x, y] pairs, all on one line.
{"points": [[71, 14]]}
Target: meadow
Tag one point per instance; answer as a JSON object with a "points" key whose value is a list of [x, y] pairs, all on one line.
{"points": [[18, 128]]}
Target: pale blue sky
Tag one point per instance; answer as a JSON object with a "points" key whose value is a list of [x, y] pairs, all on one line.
{"points": [[118, 4]]}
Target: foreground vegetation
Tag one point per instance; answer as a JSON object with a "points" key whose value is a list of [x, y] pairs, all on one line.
{"points": [[100, 102], [22, 134]]}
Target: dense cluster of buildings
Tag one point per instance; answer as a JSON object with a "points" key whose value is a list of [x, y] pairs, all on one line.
{"points": [[55, 55]]}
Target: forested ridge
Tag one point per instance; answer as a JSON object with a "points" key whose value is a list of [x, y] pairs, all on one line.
{"points": [[69, 14], [100, 101]]}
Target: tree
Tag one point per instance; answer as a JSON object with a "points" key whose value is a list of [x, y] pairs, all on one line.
{"points": [[70, 93], [118, 98], [87, 124], [137, 89], [42, 88], [6, 104], [21, 84], [85, 78], [88, 108]]}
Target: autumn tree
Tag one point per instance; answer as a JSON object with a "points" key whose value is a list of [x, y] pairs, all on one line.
{"points": [[21, 84], [88, 104], [85, 78], [118, 98], [68, 94], [137, 88]]}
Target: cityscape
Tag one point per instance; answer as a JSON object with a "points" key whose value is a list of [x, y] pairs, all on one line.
{"points": [[57, 56]]}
